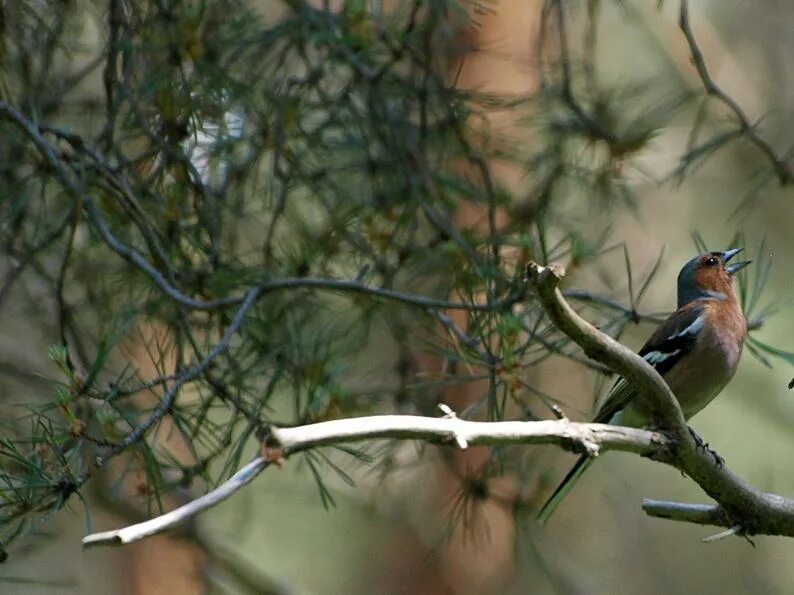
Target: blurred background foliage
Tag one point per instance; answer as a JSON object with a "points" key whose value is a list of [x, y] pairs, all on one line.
{"points": [[160, 159]]}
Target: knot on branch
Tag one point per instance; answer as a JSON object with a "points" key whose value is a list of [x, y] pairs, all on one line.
{"points": [[580, 441], [462, 443], [271, 449], [667, 447]]}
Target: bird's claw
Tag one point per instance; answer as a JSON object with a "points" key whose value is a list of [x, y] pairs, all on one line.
{"points": [[699, 443], [703, 446], [718, 460]]}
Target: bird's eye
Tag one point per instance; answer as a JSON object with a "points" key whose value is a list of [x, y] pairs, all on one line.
{"points": [[711, 261]]}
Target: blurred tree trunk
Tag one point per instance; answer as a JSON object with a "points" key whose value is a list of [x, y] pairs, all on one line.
{"points": [[495, 55]]}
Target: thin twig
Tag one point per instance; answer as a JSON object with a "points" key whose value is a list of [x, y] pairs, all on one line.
{"points": [[592, 438], [32, 131], [188, 375], [782, 169], [159, 524], [593, 126], [700, 514], [585, 296], [127, 252], [735, 530]]}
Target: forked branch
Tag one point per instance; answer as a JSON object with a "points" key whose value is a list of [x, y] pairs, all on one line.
{"points": [[740, 508]]}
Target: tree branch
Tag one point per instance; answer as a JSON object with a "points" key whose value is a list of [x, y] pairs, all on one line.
{"points": [[33, 132], [700, 514], [282, 442], [747, 510], [383, 292], [604, 349], [581, 437], [159, 524], [780, 167], [740, 507], [188, 375]]}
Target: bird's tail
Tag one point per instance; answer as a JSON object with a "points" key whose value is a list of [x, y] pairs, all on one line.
{"points": [[565, 486]]}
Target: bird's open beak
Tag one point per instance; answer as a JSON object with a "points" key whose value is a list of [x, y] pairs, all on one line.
{"points": [[736, 266]]}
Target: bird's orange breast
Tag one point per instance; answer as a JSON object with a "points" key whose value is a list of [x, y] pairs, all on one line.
{"points": [[700, 377]]}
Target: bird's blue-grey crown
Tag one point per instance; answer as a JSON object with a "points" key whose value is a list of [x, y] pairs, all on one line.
{"points": [[688, 289]]}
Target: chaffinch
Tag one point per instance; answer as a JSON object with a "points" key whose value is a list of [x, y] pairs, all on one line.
{"points": [[696, 350]]}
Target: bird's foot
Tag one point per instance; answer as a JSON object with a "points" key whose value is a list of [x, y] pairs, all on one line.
{"points": [[703, 446]]}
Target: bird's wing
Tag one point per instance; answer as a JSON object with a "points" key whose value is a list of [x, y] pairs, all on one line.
{"points": [[675, 337], [671, 342]]}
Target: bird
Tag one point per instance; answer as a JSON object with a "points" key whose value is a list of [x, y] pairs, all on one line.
{"points": [[696, 350]]}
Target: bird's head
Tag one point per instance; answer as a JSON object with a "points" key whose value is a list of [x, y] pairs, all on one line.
{"points": [[709, 275]]}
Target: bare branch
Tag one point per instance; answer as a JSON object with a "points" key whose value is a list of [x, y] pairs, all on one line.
{"points": [[782, 169], [603, 348], [591, 438], [159, 524], [382, 292], [756, 512], [700, 514]]}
